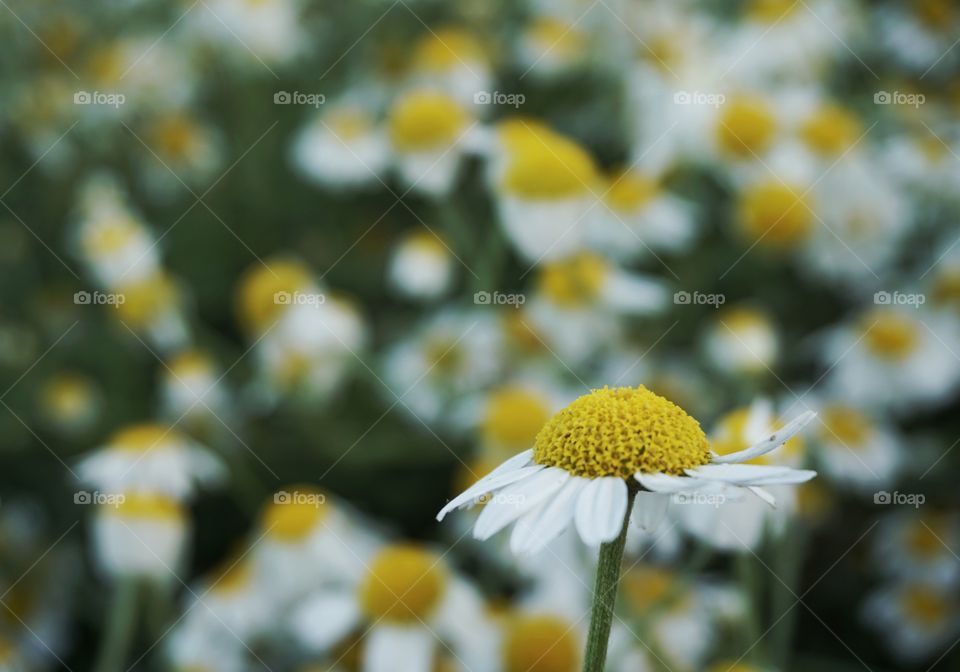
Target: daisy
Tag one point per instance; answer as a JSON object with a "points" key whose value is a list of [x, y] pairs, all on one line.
{"points": [[590, 459], [913, 547], [533, 640], [265, 292], [150, 458], [190, 389], [919, 36], [421, 266], [229, 605], [453, 60], [550, 46], [153, 306], [918, 620], [742, 341], [256, 31], [140, 534], [71, 402], [182, 149], [428, 131], [409, 604]]}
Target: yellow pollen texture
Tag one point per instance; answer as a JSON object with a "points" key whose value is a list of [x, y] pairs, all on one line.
{"points": [[620, 432], [405, 583]]}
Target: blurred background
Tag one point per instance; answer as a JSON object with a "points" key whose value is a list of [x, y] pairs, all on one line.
{"points": [[280, 277]]}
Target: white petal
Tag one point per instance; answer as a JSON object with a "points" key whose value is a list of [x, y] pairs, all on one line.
{"points": [[489, 483], [389, 648], [513, 501], [764, 495], [649, 508], [322, 621], [750, 474], [773, 441], [665, 482], [601, 507], [541, 526]]}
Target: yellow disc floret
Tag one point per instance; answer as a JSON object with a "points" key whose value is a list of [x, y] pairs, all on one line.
{"points": [[775, 215], [574, 281], [620, 432], [631, 191], [145, 506], [541, 643], [447, 48], [294, 514], [426, 120], [550, 167], [257, 302], [405, 583], [143, 437], [890, 335], [746, 126], [831, 130], [845, 424], [514, 416]]}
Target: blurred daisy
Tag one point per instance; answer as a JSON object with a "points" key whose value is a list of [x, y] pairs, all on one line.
{"points": [[914, 547], [428, 131], [265, 292], [775, 214], [258, 31], [855, 447], [545, 196], [584, 459], [140, 534], [71, 402], [920, 35], [153, 306], [512, 416], [640, 218], [421, 266], [550, 46], [533, 641], [892, 358], [453, 60], [742, 341], [150, 458], [918, 620], [229, 605], [182, 149], [190, 387], [342, 147], [409, 603]]}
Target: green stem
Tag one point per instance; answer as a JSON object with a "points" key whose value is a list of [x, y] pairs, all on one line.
{"points": [[605, 595], [121, 625], [746, 571]]}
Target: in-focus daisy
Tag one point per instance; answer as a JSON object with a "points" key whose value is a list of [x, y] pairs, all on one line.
{"points": [[421, 266], [592, 457], [742, 341], [342, 147], [150, 458], [409, 604], [856, 447], [924, 547], [140, 534], [453, 60], [429, 132], [918, 620]]}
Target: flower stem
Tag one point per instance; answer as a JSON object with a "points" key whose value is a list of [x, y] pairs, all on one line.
{"points": [[120, 628], [605, 595]]}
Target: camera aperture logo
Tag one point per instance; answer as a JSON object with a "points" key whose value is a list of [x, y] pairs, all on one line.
{"points": [[899, 299], [97, 498], [114, 100], [514, 100], [298, 98], [684, 298], [298, 498], [897, 498], [84, 298], [298, 299], [714, 100], [482, 298]]}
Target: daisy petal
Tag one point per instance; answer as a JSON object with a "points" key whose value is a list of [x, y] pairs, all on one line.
{"points": [[649, 508], [542, 525], [392, 648], [488, 483], [601, 507], [764, 495], [665, 482], [516, 500], [749, 474], [773, 441], [322, 621]]}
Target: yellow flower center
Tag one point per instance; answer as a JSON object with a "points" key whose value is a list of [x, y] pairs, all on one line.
{"points": [[559, 38], [574, 281], [742, 319], [937, 14], [746, 126], [550, 167], [647, 587], [831, 130], [890, 335], [175, 136], [143, 301], [294, 513], [946, 289], [517, 133], [111, 236], [256, 295], [68, 395], [923, 538], [620, 432], [444, 357], [143, 437], [145, 506], [348, 124], [191, 363], [405, 583], [771, 11], [426, 120], [447, 48], [426, 242], [514, 416], [631, 191], [925, 606], [542, 643], [845, 424], [776, 215]]}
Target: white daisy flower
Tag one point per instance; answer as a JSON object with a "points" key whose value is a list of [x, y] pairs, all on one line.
{"points": [[190, 388], [429, 132], [550, 46], [256, 31], [855, 447], [342, 147], [590, 459], [913, 547], [230, 605], [407, 602], [183, 149], [153, 306], [742, 340], [150, 458], [421, 266], [454, 61], [917, 620], [140, 534], [71, 402], [919, 35]]}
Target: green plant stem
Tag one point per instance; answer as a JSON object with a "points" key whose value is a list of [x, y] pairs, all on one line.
{"points": [[605, 595], [749, 584], [120, 628]]}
